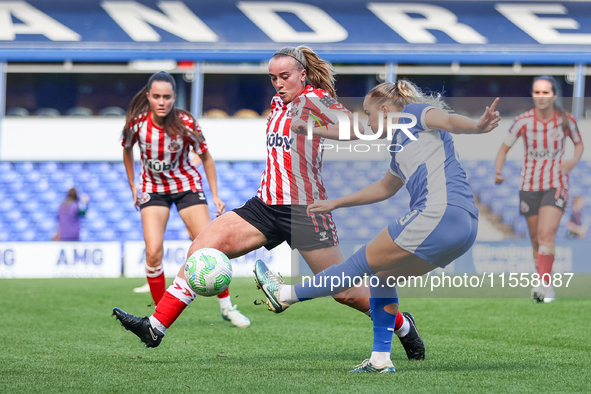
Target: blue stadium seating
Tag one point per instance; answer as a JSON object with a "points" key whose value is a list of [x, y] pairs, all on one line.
{"points": [[31, 192]]}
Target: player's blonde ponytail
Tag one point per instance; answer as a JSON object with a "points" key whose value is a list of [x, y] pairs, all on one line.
{"points": [[319, 72], [402, 93]]}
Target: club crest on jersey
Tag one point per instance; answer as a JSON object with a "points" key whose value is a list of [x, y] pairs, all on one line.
{"points": [[161, 166], [173, 147], [524, 207], [555, 135], [275, 140]]}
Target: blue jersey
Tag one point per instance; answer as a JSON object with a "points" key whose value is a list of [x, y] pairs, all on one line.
{"points": [[429, 166]]}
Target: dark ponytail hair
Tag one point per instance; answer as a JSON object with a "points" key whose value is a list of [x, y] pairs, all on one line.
{"points": [[173, 124], [557, 107]]}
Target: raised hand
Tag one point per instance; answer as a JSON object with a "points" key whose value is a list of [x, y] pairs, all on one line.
{"points": [[490, 119]]}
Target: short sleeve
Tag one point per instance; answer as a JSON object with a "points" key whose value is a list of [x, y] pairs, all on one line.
{"points": [[573, 130], [199, 143], [393, 170], [130, 137], [515, 132]]}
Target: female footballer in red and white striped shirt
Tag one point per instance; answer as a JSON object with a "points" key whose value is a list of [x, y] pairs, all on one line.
{"points": [[305, 86], [165, 136], [544, 177]]}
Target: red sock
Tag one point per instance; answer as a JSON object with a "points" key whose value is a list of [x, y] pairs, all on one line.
{"points": [[169, 309], [545, 262], [157, 287], [398, 322], [224, 294]]}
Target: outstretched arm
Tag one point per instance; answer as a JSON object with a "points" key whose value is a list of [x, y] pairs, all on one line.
{"points": [[377, 191], [210, 172], [457, 124], [330, 131]]}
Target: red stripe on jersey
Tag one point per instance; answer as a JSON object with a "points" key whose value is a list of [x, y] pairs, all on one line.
{"points": [[522, 131], [172, 175], [161, 141], [304, 166], [148, 155]]}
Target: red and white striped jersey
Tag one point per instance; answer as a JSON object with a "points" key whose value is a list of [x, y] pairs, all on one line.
{"points": [[166, 167], [292, 174], [544, 145]]}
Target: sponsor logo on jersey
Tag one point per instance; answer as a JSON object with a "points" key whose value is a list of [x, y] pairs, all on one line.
{"points": [[543, 153], [275, 140], [323, 236], [560, 202], [161, 166]]}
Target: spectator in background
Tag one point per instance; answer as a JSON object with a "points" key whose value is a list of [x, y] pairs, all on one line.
{"points": [[68, 217], [575, 226]]}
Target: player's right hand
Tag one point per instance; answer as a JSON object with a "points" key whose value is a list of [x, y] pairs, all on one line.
{"points": [[136, 203], [321, 207], [499, 179]]}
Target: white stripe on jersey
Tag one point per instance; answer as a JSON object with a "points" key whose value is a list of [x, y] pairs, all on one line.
{"points": [[544, 146]]}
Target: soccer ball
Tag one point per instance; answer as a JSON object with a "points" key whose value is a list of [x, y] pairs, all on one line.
{"points": [[208, 272]]}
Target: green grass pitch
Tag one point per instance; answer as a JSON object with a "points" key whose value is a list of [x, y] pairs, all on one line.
{"points": [[58, 335]]}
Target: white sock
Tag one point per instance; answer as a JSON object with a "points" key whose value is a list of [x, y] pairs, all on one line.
{"points": [[157, 325], [287, 295], [403, 331], [225, 302], [379, 359]]}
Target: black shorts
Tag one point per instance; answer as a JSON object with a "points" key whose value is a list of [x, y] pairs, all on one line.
{"points": [[290, 223], [530, 202], [182, 200]]}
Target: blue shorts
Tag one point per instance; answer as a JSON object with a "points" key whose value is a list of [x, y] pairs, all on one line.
{"points": [[438, 234]]}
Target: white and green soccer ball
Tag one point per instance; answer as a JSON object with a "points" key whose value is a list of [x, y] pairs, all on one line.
{"points": [[208, 272]]}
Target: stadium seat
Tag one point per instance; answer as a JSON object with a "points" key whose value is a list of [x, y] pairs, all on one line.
{"points": [[215, 113], [50, 112], [246, 114], [79, 111], [17, 111], [112, 111]]}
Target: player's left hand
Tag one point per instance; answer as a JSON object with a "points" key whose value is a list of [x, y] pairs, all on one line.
{"points": [[220, 205], [490, 119], [566, 166]]}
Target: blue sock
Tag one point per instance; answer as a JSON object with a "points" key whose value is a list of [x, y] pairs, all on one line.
{"points": [[383, 322], [335, 278]]}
